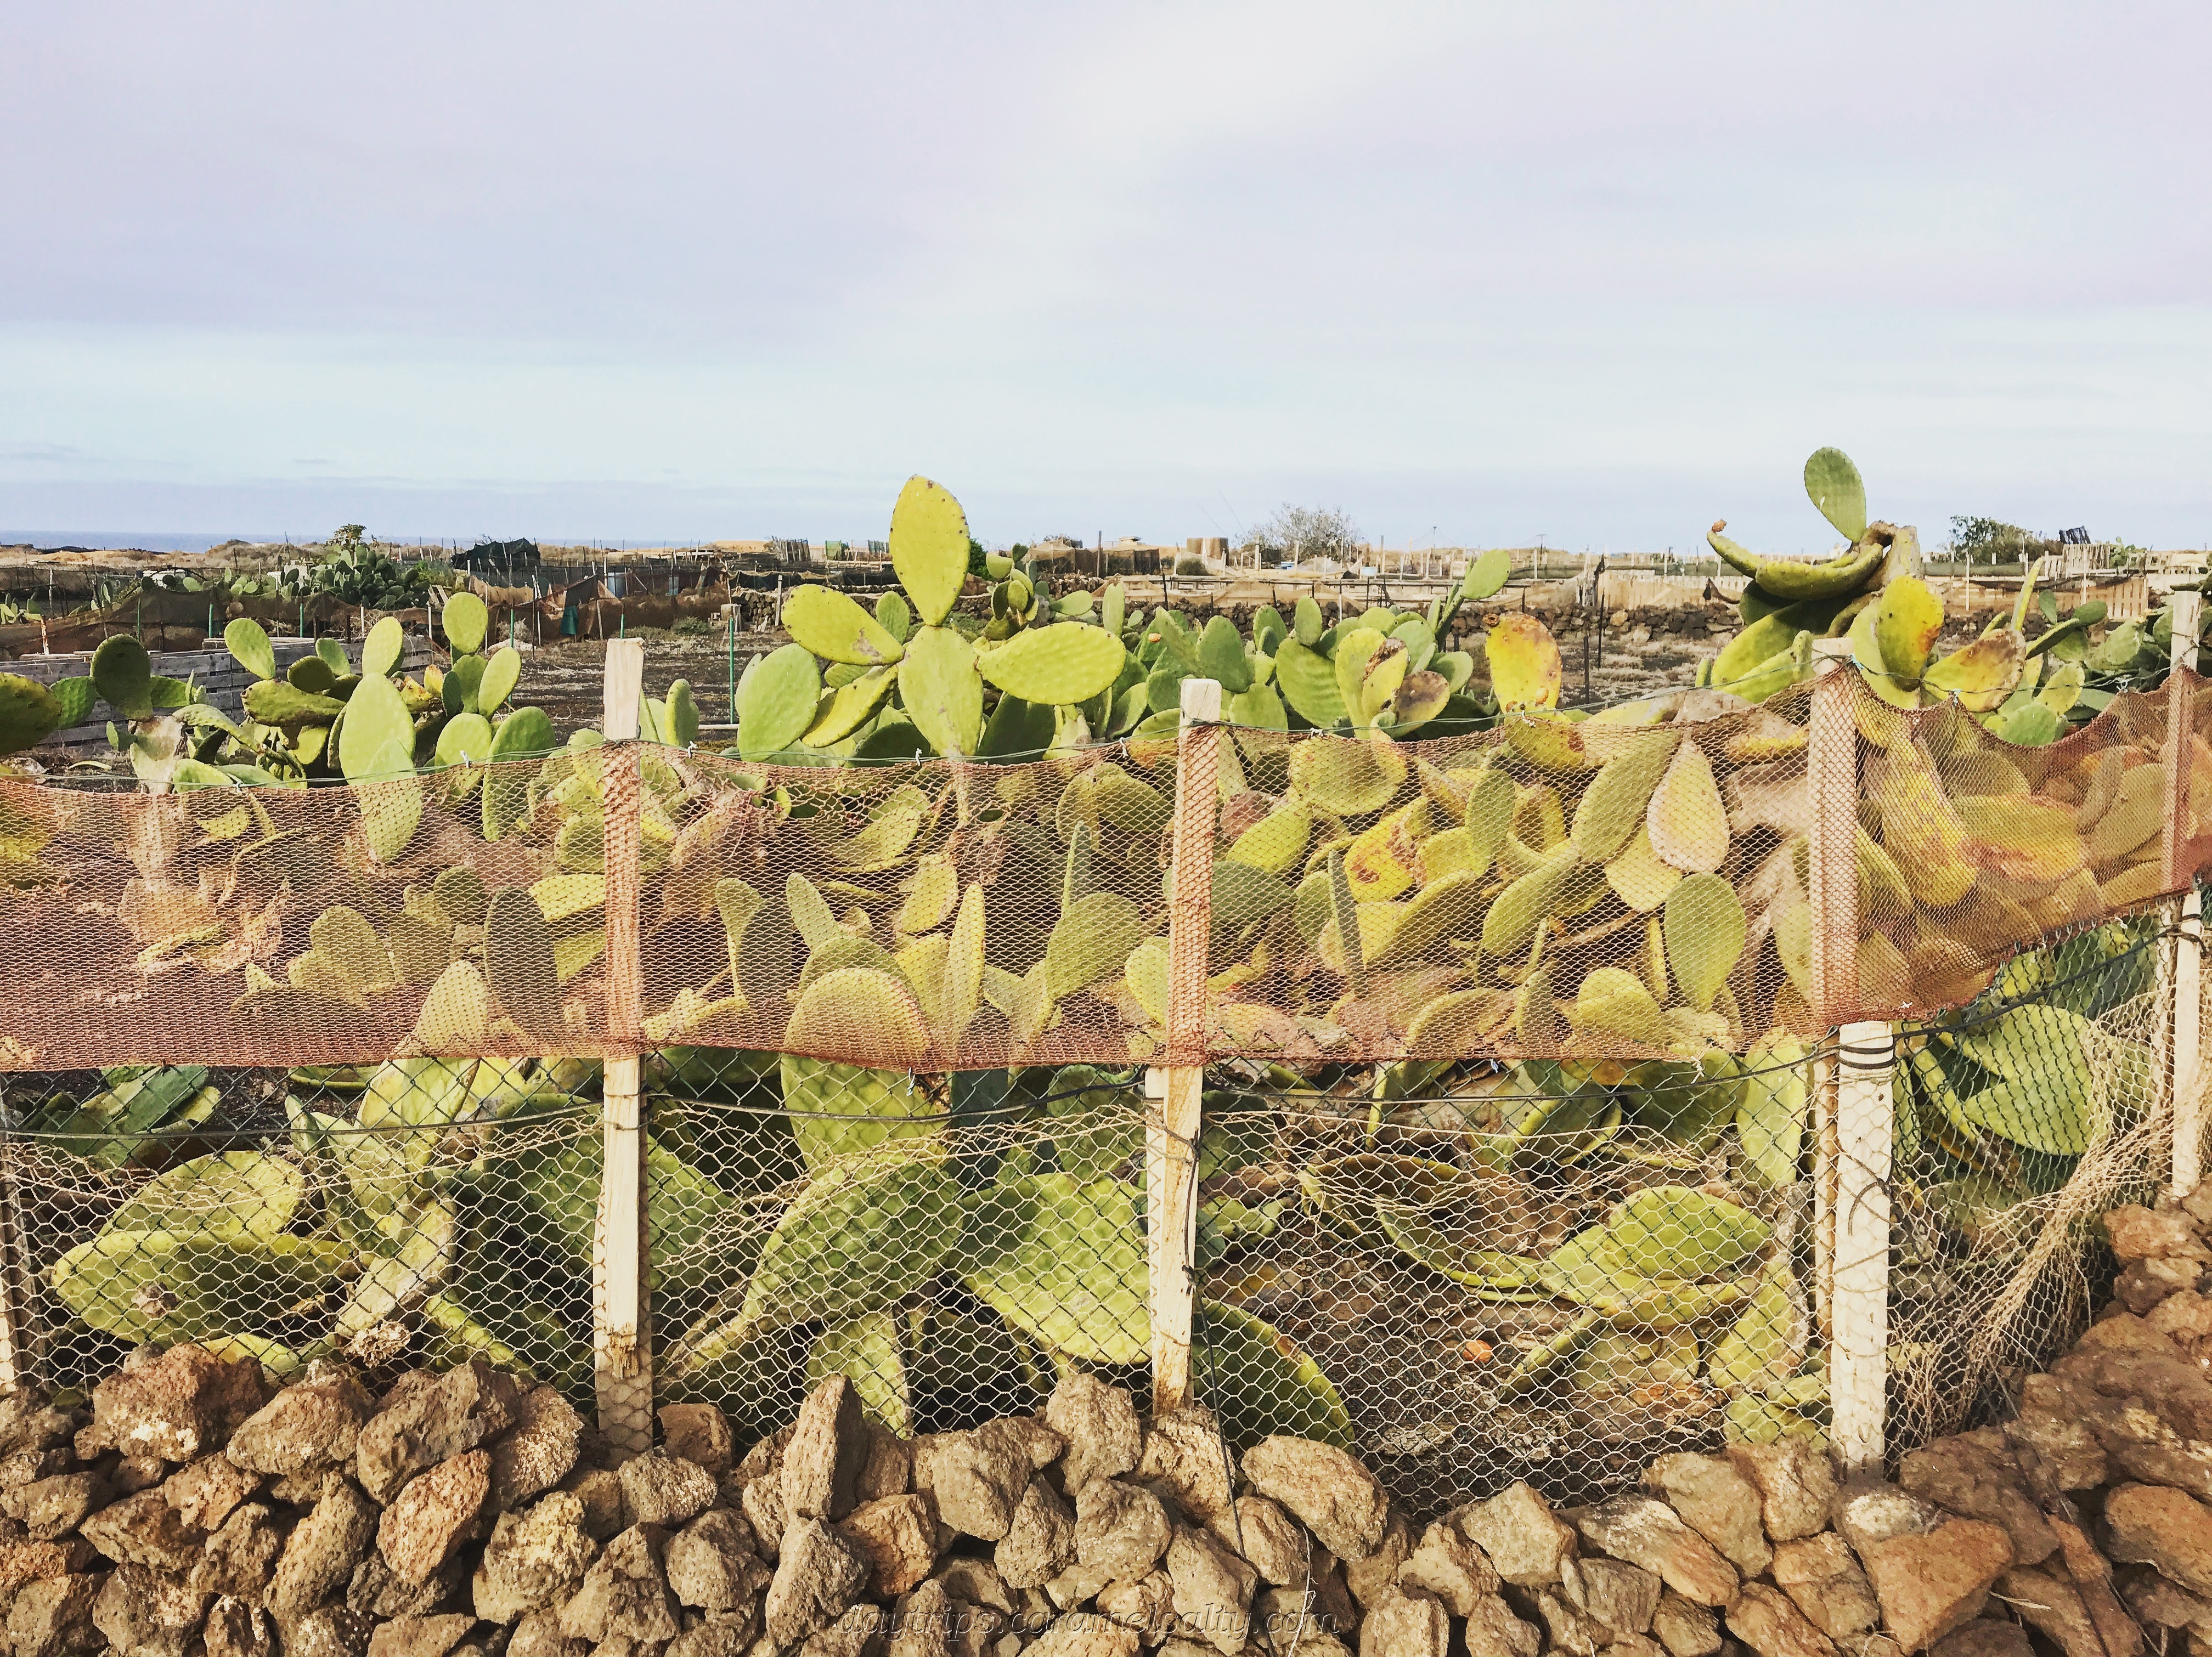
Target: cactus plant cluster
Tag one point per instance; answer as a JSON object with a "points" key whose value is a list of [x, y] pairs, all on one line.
{"points": [[427, 1202], [1044, 675], [1873, 594]]}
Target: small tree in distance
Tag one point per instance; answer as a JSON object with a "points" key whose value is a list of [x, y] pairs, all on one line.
{"points": [[1300, 533]]}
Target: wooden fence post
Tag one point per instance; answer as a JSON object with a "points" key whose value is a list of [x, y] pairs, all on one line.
{"points": [[2184, 976], [1172, 1091], [621, 1345], [1853, 1100]]}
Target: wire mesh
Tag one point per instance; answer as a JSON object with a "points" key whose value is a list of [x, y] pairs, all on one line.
{"points": [[1633, 885], [945, 1241], [2020, 1120], [1551, 1271], [419, 1212]]}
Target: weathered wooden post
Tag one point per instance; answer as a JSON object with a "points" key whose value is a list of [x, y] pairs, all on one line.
{"points": [[1172, 1091], [620, 1346], [2185, 965], [1851, 1182]]}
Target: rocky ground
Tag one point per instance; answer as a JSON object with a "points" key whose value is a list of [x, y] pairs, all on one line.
{"points": [[193, 1511]]}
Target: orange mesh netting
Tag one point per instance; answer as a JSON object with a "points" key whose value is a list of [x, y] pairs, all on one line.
{"points": [[1553, 887]]}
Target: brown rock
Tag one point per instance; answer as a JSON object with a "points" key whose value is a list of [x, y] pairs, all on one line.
{"points": [[599, 1490], [858, 1633], [376, 1594], [762, 1503], [2066, 1451], [146, 1615], [1493, 1630], [822, 1462], [1328, 1491], [320, 1557], [1405, 1625], [538, 1451], [1104, 1437], [921, 1623], [1146, 1606], [888, 1469], [1040, 1541], [1374, 1578], [1183, 1454], [241, 1556], [2093, 1580], [1284, 1619], [2152, 1599], [432, 1421], [1566, 1629], [711, 1563], [1685, 1629], [206, 1491], [699, 1433], [144, 1530], [2183, 1316], [1618, 1597], [1771, 1626], [2140, 1234], [1986, 1639], [1867, 1514], [236, 1629], [184, 1404], [54, 1615], [1518, 1529], [622, 1595], [666, 1490], [896, 1536], [419, 1636], [817, 1576], [22, 1561], [1649, 1533], [1716, 1502], [976, 1583], [535, 1559], [50, 1508], [433, 1514], [134, 1473], [1446, 1564], [1267, 1539], [1819, 1573], [719, 1633], [331, 1631], [1079, 1584], [2166, 1528], [975, 1478], [1121, 1530], [1084, 1634], [2048, 1600], [538, 1635], [1929, 1585], [313, 1423], [2143, 1284], [1796, 1485], [1212, 1588], [27, 1422], [2122, 1332]]}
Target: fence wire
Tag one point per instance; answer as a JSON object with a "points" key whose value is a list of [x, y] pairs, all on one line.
{"points": [[1467, 1271], [1634, 885], [418, 1212]]}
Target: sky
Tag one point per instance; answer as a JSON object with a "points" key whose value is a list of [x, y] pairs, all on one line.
{"points": [[1475, 273]]}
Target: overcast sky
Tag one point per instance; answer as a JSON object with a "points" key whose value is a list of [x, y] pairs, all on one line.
{"points": [[1598, 272]]}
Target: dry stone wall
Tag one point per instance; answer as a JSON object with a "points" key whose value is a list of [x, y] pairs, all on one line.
{"points": [[191, 1510]]}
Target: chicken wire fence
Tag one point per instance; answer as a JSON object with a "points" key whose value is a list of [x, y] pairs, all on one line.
{"points": [[1640, 881], [1465, 1271], [1517, 1153], [421, 1212]]}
